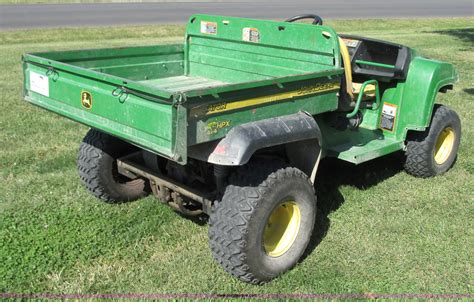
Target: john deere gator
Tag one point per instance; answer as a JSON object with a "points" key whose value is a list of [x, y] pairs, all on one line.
{"points": [[234, 122]]}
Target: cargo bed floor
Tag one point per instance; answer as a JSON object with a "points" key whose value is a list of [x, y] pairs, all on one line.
{"points": [[183, 83]]}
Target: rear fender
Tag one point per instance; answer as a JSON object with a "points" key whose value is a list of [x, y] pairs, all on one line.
{"points": [[298, 132]]}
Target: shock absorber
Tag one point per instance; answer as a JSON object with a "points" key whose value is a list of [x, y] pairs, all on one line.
{"points": [[221, 173]]}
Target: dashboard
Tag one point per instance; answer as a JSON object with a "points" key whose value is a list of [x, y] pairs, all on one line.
{"points": [[377, 59]]}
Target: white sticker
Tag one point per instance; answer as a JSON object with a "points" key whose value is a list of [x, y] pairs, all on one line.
{"points": [[39, 83], [209, 28], [389, 109], [351, 42], [251, 35], [389, 114]]}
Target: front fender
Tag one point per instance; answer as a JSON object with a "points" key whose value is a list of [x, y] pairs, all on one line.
{"points": [[426, 77]]}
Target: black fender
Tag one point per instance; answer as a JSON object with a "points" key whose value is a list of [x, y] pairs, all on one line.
{"points": [[298, 132]]}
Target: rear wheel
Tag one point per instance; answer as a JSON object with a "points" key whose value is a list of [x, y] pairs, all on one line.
{"points": [[97, 166], [264, 222], [434, 151]]}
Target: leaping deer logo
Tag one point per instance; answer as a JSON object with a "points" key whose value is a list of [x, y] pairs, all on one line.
{"points": [[86, 100]]}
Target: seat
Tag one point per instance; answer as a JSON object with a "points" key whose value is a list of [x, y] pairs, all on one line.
{"points": [[346, 61], [369, 90]]}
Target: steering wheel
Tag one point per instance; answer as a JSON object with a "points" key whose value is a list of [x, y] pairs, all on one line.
{"points": [[317, 20]]}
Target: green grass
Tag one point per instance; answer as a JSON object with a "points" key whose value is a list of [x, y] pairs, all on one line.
{"points": [[379, 229]]}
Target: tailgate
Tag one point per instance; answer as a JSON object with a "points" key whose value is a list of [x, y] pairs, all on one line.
{"points": [[102, 102]]}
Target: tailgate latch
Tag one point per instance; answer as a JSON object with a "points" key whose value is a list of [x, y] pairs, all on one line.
{"points": [[121, 93]]}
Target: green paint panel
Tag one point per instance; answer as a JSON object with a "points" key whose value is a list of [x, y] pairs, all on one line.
{"points": [[133, 63], [278, 49], [425, 79], [202, 128], [128, 116]]}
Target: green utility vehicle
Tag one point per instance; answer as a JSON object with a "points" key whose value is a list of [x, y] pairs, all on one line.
{"points": [[234, 123]]}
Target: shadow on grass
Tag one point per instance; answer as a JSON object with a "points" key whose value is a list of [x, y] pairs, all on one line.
{"points": [[333, 174], [464, 34], [201, 219], [469, 91]]}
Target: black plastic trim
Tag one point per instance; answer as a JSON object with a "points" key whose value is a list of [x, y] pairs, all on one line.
{"points": [[242, 141]]}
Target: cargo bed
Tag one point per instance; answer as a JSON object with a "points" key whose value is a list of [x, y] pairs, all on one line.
{"points": [[147, 95]]}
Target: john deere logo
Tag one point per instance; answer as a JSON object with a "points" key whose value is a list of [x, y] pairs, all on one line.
{"points": [[86, 99]]}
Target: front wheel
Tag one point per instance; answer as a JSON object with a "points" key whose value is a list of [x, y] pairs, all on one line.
{"points": [[264, 222], [434, 151]]}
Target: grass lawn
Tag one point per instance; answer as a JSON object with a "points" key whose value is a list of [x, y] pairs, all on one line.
{"points": [[379, 229]]}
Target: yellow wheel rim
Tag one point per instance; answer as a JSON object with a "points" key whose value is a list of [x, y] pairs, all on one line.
{"points": [[444, 145], [281, 229]]}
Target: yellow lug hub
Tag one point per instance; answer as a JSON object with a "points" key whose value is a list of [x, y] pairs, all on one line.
{"points": [[282, 228], [444, 145]]}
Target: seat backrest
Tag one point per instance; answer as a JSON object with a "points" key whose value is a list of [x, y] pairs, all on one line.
{"points": [[346, 61], [240, 50]]}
